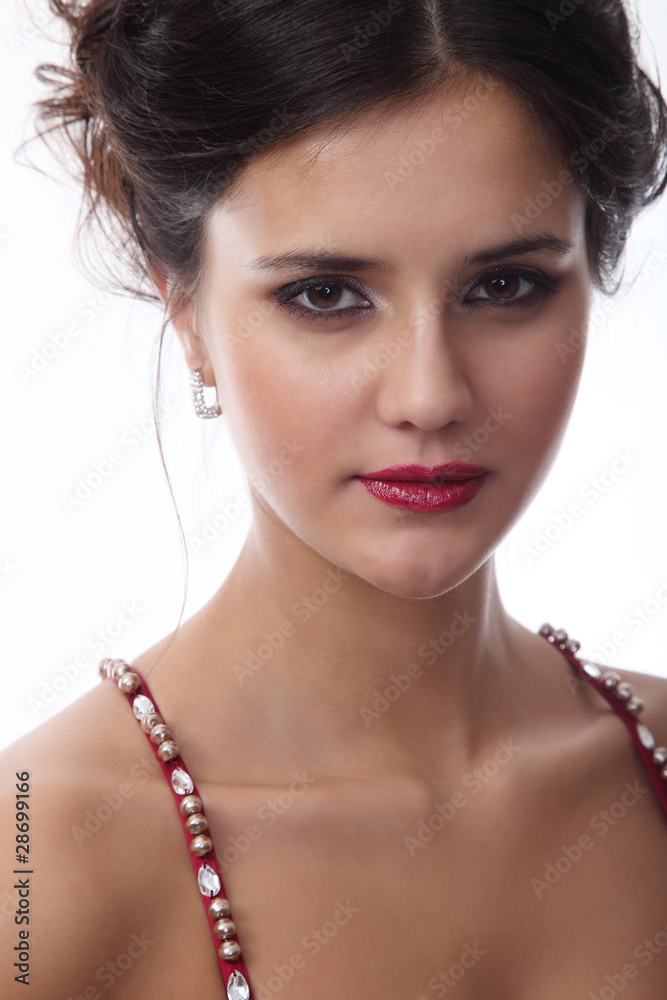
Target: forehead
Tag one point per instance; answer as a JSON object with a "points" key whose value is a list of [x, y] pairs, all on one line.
{"points": [[455, 168]]}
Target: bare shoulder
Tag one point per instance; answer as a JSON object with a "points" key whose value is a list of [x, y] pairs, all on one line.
{"points": [[69, 817]]}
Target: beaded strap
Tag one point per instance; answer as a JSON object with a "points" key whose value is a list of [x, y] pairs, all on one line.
{"points": [[621, 697], [193, 818]]}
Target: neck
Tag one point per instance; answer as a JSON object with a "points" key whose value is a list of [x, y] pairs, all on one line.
{"points": [[347, 676]]}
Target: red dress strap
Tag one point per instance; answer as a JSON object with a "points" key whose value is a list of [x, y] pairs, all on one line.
{"points": [[620, 695], [193, 819]]}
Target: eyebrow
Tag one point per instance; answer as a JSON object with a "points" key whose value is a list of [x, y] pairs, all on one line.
{"points": [[332, 260], [337, 260], [544, 242]]}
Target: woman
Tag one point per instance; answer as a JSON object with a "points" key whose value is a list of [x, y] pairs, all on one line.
{"points": [[409, 793]]}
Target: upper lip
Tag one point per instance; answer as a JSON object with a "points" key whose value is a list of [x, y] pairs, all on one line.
{"points": [[422, 474]]}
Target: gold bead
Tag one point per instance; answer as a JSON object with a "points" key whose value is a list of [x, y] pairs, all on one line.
{"points": [[119, 668], [624, 691], [229, 950], [218, 908], [190, 804], [129, 682], [200, 845], [102, 667], [610, 679], [149, 720], [634, 706], [196, 823], [167, 750], [224, 928], [160, 733]]}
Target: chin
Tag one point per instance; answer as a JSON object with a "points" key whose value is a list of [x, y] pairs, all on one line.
{"points": [[414, 583]]}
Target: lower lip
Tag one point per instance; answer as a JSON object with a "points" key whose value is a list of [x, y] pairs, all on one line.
{"points": [[428, 497]]}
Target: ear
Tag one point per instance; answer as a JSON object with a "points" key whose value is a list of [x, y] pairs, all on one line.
{"points": [[182, 318]]}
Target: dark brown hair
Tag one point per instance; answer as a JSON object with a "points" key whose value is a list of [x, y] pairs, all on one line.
{"points": [[165, 100]]}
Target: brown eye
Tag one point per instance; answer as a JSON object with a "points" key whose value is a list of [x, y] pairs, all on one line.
{"points": [[503, 288], [323, 296], [510, 288], [326, 299]]}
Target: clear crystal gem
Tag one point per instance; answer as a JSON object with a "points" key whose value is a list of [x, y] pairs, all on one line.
{"points": [[591, 669], [237, 987], [645, 736], [141, 705], [181, 782], [208, 881]]}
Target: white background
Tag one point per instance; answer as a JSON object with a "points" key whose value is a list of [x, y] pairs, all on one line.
{"points": [[105, 577]]}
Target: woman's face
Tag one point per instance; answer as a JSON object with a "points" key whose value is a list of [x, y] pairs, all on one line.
{"points": [[442, 338]]}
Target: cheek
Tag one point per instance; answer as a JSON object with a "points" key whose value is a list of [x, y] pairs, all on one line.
{"points": [[287, 403], [534, 375]]}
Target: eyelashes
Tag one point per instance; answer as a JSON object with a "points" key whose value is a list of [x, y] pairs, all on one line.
{"points": [[289, 292], [505, 279], [497, 288]]}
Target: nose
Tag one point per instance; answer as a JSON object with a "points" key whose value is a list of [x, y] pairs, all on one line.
{"points": [[426, 384]]}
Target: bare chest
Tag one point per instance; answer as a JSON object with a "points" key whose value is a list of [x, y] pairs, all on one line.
{"points": [[389, 895]]}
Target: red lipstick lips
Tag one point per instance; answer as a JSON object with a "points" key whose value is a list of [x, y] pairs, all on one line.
{"points": [[415, 487]]}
